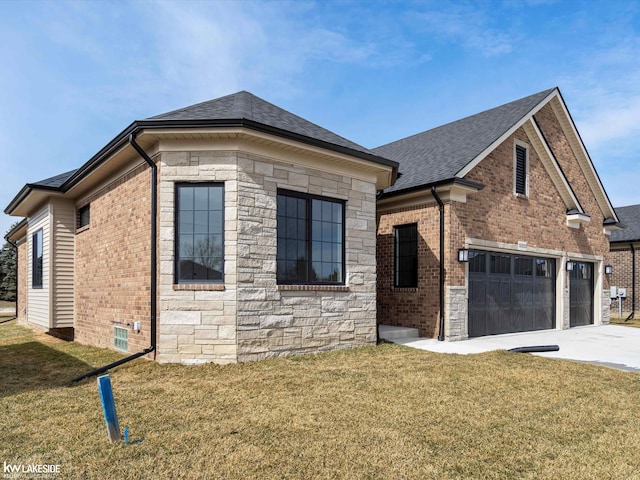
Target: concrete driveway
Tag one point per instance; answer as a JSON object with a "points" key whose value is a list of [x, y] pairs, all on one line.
{"points": [[609, 345]]}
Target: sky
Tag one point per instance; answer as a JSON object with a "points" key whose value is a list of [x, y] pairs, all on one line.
{"points": [[74, 74]]}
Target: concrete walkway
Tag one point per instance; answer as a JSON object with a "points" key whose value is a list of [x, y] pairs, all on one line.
{"points": [[609, 345]]}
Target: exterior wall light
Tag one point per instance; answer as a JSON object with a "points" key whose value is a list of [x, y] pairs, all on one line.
{"points": [[608, 269], [570, 266], [463, 255]]}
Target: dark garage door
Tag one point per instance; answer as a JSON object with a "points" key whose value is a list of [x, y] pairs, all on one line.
{"points": [[510, 293], [581, 294]]}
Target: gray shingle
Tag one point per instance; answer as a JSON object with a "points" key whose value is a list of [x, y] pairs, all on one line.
{"points": [[630, 217], [245, 105], [54, 182], [440, 153]]}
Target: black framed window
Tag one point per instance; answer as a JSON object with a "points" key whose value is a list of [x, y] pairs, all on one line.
{"points": [[199, 227], [477, 262], [36, 259], [500, 264], [310, 239], [521, 170], [406, 256], [84, 216]]}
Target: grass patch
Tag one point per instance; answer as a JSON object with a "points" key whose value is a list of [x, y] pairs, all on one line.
{"points": [[377, 412], [634, 322]]}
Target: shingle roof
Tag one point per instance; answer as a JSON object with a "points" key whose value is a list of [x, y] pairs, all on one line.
{"points": [[245, 105], [440, 153], [630, 217], [54, 182]]}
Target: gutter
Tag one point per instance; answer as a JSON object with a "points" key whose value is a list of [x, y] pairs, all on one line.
{"points": [[441, 205], [633, 282], [122, 138], [154, 268]]}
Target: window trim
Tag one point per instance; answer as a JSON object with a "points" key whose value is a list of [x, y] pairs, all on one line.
{"points": [[395, 255], [518, 143], [35, 284], [309, 197], [176, 232]]}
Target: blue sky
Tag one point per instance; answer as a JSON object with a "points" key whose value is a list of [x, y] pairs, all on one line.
{"points": [[74, 74]]}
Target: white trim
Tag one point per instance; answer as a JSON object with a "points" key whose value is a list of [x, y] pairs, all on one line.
{"points": [[471, 165], [574, 220], [551, 164], [526, 147], [584, 160]]}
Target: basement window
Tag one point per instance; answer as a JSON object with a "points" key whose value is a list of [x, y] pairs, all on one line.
{"points": [[121, 338]]}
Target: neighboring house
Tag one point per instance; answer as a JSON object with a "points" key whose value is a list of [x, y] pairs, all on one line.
{"points": [[265, 232], [265, 244], [625, 258], [521, 201]]}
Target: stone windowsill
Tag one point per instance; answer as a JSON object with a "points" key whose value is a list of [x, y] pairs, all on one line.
{"points": [[401, 290], [199, 287], [82, 229], [314, 288]]}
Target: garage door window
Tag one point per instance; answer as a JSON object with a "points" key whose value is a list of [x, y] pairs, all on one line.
{"points": [[544, 268], [523, 266], [501, 264], [477, 262]]}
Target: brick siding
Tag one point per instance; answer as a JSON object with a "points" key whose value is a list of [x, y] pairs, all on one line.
{"points": [[620, 258], [112, 263]]}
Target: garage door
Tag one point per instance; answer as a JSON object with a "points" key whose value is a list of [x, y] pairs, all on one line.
{"points": [[581, 294], [510, 293]]}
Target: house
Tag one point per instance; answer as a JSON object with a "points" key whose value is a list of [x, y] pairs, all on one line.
{"points": [[498, 223], [233, 230], [624, 258], [230, 230]]}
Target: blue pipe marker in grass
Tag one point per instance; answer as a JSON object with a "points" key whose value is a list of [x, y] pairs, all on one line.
{"points": [[109, 408]]}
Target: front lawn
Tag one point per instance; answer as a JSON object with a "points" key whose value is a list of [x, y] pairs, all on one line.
{"points": [[633, 322], [378, 412]]}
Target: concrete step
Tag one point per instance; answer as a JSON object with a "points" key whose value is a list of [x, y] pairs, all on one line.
{"points": [[388, 332]]}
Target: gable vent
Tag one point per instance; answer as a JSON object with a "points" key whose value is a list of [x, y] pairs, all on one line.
{"points": [[521, 170]]}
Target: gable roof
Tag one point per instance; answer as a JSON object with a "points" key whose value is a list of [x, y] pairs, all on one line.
{"points": [[630, 217], [443, 152], [239, 110]]}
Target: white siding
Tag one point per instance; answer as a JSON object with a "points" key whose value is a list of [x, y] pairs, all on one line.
{"points": [[63, 222], [38, 301]]}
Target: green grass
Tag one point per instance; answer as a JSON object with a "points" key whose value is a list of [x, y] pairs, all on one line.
{"points": [[377, 412]]}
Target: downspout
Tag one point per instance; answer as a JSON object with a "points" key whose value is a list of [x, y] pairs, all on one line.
{"points": [[633, 283], [154, 268], [15, 245], [441, 205]]}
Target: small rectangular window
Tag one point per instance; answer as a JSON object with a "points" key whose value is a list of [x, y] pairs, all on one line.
{"points": [[521, 170], [310, 233], [83, 216], [544, 268], [501, 264], [199, 233], [477, 262], [523, 266], [36, 260], [406, 256], [121, 338]]}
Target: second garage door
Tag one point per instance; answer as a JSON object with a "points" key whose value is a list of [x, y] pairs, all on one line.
{"points": [[510, 293]]}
